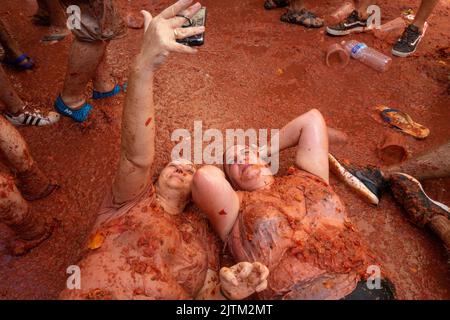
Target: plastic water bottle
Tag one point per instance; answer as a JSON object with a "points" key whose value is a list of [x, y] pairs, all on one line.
{"points": [[367, 55]]}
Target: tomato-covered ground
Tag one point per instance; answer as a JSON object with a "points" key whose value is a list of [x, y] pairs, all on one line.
{"points": [[253, 72]]}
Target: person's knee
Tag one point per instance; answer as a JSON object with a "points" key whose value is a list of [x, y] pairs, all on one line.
{"points": [[316, 117]]}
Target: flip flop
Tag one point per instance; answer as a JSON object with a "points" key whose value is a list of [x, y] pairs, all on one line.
{"points": [[403, 122], [96, 95], [17, 63], [78, 115], [273, 4]]}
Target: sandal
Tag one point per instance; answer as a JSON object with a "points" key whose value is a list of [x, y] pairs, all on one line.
{"points": [[303, 17], [403, 122], [19, 62], [96, 95], [273, 4], [78, 115]]}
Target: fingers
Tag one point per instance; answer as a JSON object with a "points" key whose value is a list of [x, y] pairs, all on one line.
{"points": [[228, 275], [180, 48], [182, 33], [263, 275], [262, 270], [244, 269], [177, 22], [262, 286], [147, 19], [174, 9]]}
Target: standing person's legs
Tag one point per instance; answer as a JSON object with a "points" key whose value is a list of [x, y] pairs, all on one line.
{"points": [[32, 182], [425, 10], [413, 34], [11, 48], [103, 80], [84, 59], [16, 213], [15, 109], [42, 15], [8, 95], [100, 22], [58, 19]]}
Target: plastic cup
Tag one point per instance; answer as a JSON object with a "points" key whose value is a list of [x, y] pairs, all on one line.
{"points": [[337, 56]]}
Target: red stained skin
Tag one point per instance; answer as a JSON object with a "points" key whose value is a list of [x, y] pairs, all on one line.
{"points": [[148, 121], [233, 83]]}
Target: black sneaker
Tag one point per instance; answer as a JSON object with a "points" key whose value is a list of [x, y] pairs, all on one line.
{"points": [[408, 42], [409, 193], [366, 181], [353, 23]]}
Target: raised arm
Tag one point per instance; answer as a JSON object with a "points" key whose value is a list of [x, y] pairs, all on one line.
{"points": [[138, 121], [308, 133]]}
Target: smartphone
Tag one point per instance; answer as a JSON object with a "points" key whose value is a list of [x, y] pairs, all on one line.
{"points": [[197, 21]]}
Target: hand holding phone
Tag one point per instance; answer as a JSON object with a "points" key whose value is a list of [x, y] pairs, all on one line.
{"points": [[198, 20]]}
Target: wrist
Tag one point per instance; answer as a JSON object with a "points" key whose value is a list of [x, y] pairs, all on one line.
{"points": [[144, 63], [140, 71]]}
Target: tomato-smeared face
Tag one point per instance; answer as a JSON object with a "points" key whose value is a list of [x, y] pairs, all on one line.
{"points": [[178, 175], [245, 169]]}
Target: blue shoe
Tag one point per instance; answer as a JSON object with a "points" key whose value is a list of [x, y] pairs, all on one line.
{"points": [[78, 115], [18, 62], [96, 95]]}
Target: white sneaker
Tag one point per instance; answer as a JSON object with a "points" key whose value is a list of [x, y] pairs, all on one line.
{"points": [[35, 118]]}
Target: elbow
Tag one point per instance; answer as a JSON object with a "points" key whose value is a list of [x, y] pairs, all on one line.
{"points": [[205, 177]]}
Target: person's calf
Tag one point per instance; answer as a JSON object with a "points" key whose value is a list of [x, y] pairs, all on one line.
{"points": [[103, 80], [34, 184], [29, 229]]}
